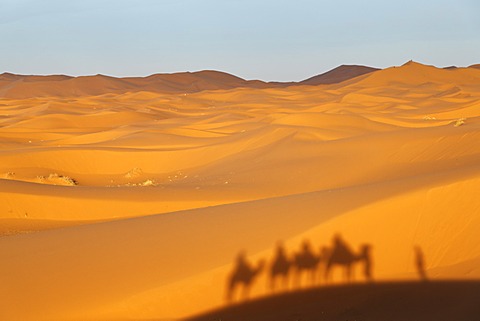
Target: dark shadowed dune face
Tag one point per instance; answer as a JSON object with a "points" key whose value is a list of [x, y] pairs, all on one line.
{"points": [[426, 301]]}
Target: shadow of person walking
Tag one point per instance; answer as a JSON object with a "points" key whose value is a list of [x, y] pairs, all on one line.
{"points": [[420, 263]]}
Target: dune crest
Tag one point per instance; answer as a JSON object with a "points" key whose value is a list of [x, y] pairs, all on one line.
{"points": [[339, 74], [31, 86]]}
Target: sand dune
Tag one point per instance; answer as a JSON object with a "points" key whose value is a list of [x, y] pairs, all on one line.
{"points": [[413, 73], [121, 201], [24, 86], [32, 86]]}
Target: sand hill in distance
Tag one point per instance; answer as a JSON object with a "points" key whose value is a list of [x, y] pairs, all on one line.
{"points": [[131, 198], [339, 74], [29, 86]]}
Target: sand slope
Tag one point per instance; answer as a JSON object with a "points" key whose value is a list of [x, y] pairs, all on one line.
{"points": [[133, 204]]}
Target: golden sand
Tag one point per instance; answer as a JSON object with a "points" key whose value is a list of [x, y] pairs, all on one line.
{"points": [[133, 203]]}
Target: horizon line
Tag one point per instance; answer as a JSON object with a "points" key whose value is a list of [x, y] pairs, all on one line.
{"points": [[223, 72]]}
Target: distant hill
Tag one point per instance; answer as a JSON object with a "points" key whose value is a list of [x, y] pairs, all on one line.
{"points": [[426, 301], [32, 78], [26, 86], [414, 73], [29, 86], [339, 74]]}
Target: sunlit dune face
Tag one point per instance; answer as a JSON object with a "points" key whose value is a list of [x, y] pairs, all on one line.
{"points": [[136, 203]]}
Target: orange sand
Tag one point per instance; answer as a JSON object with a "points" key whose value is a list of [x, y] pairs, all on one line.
{"points": [[126, 202]]}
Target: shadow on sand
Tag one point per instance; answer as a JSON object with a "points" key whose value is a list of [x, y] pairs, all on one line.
{"points": [[426, 301], [299, 288], [306, 267]]}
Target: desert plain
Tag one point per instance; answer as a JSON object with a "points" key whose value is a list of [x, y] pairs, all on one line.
{"points": [[130, 198]]}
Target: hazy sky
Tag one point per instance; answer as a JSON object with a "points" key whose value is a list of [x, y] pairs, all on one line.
{"points": [[261, 39]]}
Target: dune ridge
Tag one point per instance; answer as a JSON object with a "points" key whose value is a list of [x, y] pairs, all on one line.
{"points": [[338, 74], [31, 86], [122, 201], [24, 86]]}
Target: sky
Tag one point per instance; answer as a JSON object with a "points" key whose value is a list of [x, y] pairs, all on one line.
{"points": [[271, 40]]}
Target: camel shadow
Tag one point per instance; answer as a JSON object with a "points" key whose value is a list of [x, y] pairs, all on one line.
{"points": [[280, 268], [342, 255], [305, 261], [242, 276], [303, 267]]}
